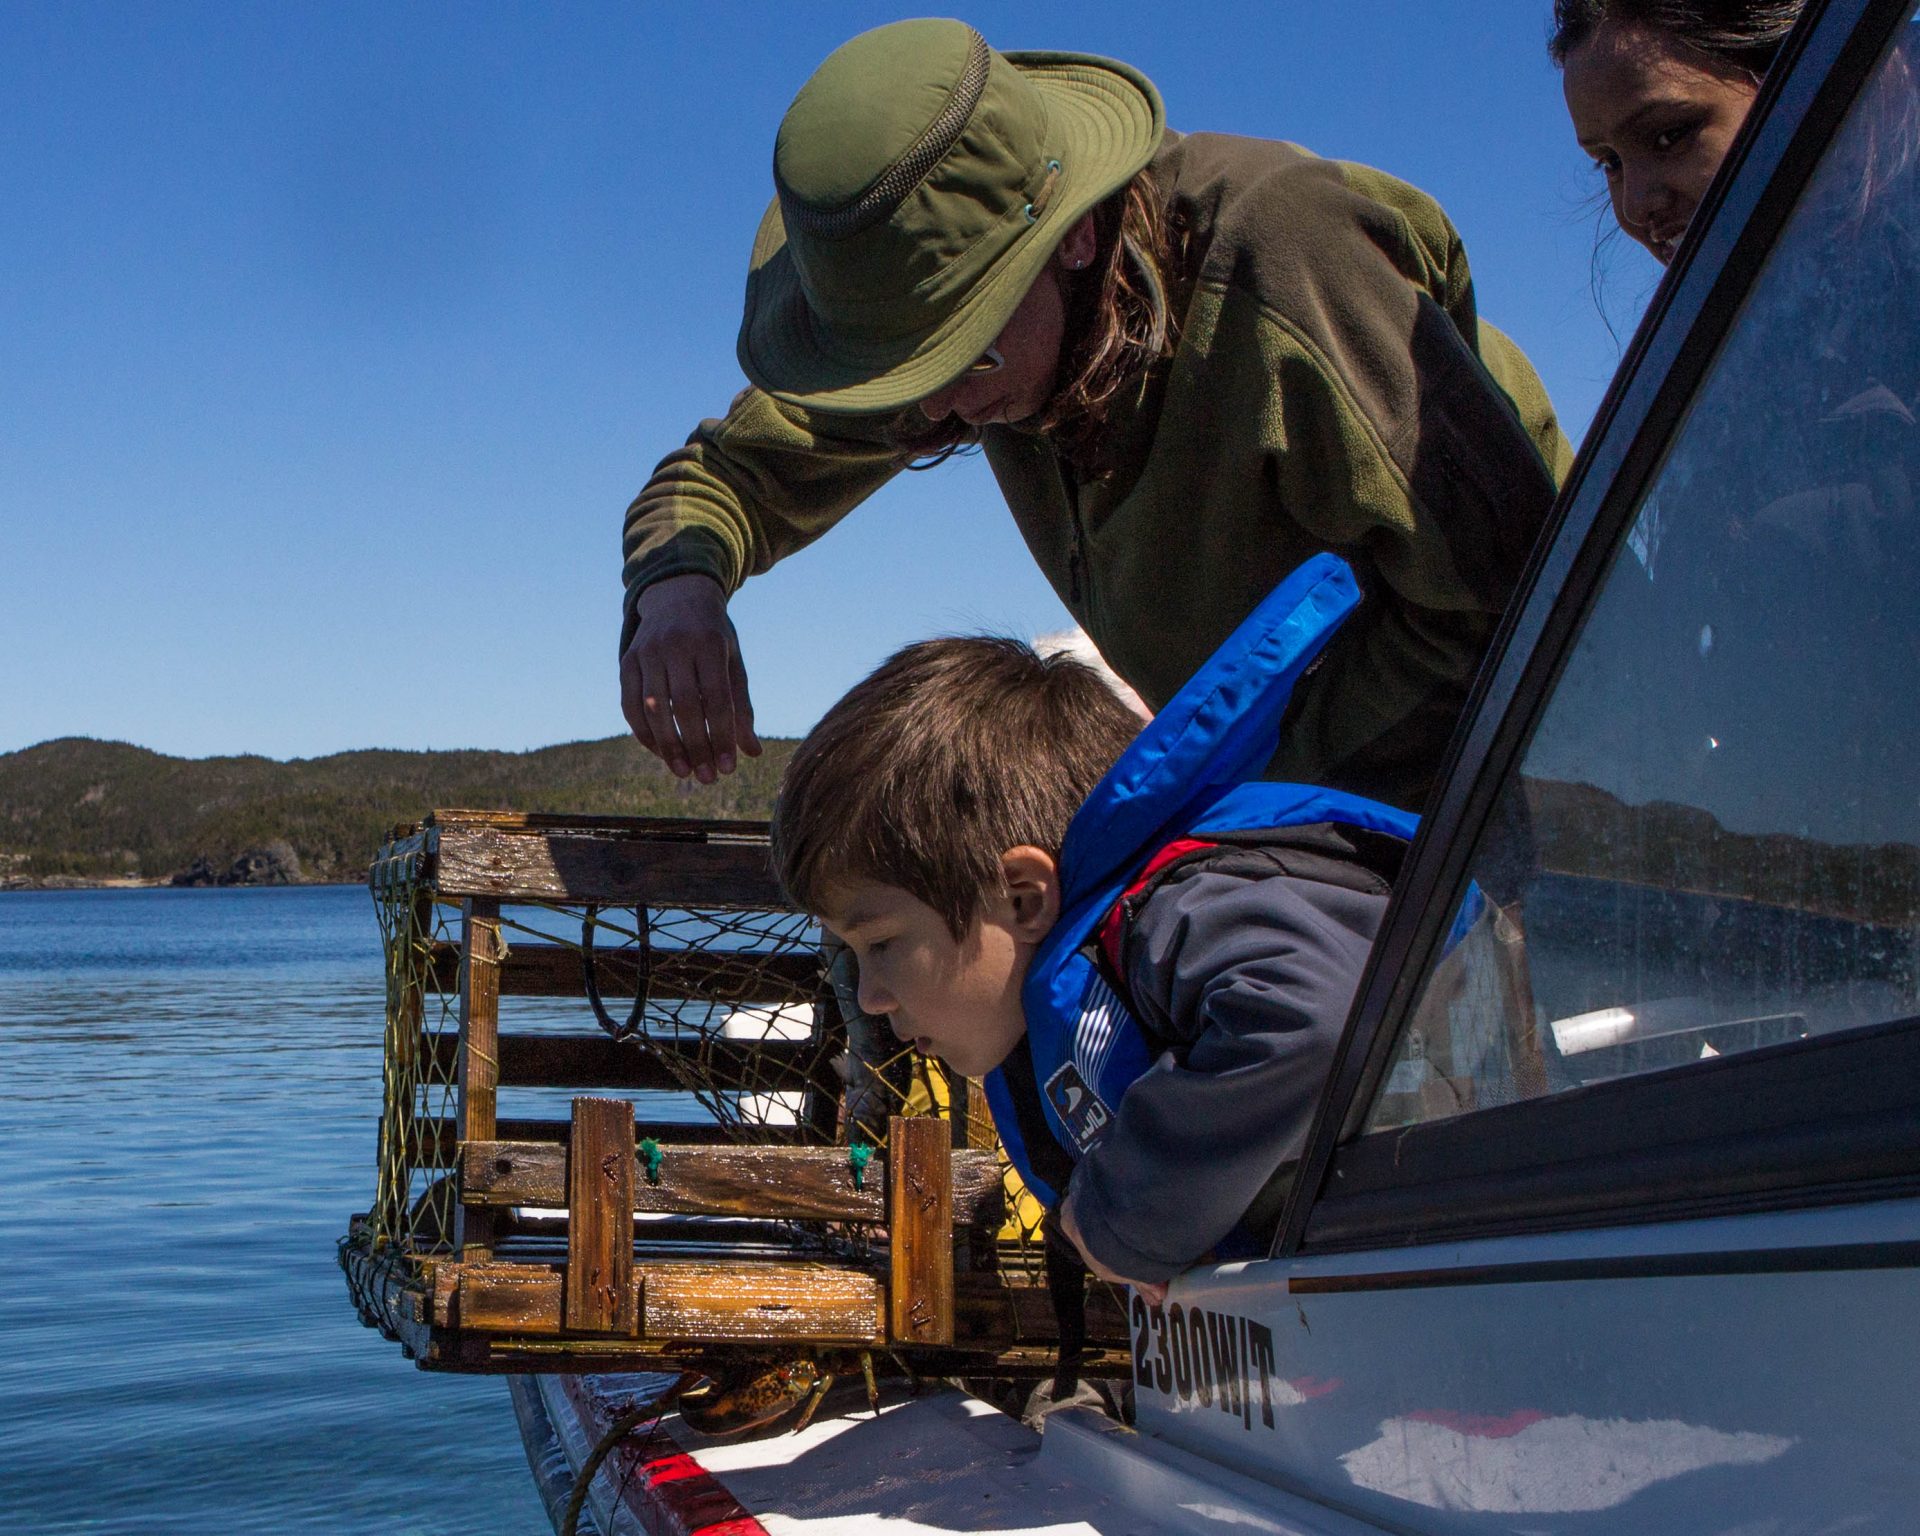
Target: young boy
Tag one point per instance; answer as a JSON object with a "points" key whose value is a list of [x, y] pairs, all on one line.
{"points": [[972, 818]]}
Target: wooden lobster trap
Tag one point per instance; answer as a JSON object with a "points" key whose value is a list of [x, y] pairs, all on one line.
{"points": [[686, 1179]]}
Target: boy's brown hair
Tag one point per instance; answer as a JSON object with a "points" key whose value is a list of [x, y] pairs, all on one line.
{"points": [[949, 754]]}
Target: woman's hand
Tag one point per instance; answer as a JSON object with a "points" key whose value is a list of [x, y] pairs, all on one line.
{"points": [[683, 687], [1153, 1292]]}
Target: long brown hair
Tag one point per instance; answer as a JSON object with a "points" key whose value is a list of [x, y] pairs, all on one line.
{"points": [[1121, 320]]}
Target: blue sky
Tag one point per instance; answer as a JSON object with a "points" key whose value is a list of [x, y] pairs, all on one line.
{"points": [[334, 338]]}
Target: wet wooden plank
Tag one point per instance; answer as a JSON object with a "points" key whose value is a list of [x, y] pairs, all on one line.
{"points": [[439, 1140], [713, 976], [991, 1315], [510, 1298], [599, 1061], [761, 1303], [442, 1282], [689, 1302], [920, 1230], [478, 1064], [556, 865], [794, 1183], [600, 1217], [684, 828]]}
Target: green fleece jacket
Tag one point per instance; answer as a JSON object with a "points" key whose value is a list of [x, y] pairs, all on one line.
{"points": [[1333, 388]]}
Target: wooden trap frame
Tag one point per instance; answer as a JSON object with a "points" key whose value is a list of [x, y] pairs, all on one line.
{"points": [[710, 1198]]}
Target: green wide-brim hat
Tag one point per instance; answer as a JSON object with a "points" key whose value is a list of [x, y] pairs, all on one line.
{"points": [[923, 181]]}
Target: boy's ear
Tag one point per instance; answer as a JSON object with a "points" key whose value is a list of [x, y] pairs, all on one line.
{"points": [[1033, 888]]}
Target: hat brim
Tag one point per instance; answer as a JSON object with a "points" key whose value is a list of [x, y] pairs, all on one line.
{"points": [[1107, 120]]}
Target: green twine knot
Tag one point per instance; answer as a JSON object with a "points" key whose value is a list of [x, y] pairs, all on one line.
{"points": [[858, 1156], [652, 1159]]}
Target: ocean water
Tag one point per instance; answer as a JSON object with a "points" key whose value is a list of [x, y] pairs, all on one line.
{"points": [[189, 1086]]}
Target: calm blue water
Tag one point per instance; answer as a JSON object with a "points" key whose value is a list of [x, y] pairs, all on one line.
{"points": [[189, 1084]]}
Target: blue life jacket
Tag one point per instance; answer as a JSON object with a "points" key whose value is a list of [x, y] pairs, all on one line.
{"points": [[1192, 771]]}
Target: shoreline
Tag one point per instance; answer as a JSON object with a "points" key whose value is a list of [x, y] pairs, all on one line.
{"points": [[26, 884]]}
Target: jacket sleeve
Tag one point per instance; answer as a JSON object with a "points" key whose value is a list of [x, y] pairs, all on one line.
{"points": [[748, 489], [1249, 983]]}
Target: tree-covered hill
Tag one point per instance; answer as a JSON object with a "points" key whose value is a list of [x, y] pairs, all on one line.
{"points": [[104, 809]]}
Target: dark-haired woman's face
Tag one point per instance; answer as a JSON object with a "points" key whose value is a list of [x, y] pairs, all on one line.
{"points": [[1657, 117]]}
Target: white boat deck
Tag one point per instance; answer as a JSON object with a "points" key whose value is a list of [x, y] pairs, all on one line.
{"points": [[939, 1463]]}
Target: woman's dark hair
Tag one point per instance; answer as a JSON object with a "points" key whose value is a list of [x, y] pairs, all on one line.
{"points": [[1120, 321], [1745, 34]]}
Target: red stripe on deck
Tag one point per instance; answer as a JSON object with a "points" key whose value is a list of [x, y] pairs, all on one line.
{"points": [[662, 1486]]}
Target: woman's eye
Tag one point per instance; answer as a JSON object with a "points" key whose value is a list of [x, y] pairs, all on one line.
{"points": [[1671, 137], [1607, 165]]}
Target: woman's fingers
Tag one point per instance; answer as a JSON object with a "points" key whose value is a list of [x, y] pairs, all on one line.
{"points": [[689, 679], [742, 703], [631, 690], [656, 710], [683, 688], [716, 722]]}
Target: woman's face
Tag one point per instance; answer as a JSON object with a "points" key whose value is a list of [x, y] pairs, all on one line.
{"points": [[1021, 382], [1657, 116]]}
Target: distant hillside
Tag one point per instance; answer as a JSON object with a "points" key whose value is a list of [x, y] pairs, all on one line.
{"points": [[103, 809]]}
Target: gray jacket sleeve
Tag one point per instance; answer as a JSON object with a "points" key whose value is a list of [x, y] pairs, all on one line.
{"points": [[1248, 981]]}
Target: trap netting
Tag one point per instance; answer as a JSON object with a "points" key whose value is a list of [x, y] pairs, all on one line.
{"points": [[413, 1210], [715, 1021], [885, 1078]]}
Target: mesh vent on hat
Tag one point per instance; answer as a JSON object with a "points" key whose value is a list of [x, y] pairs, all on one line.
{"points": [[906, 173]]}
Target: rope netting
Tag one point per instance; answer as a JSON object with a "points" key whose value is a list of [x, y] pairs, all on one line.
{"points": [[414, 1205]]}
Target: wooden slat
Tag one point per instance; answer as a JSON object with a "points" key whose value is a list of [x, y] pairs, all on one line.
{"points": [[747, 1304], [792, 1183], [715, 976], [599, 1061], [441, 1283], [510, 1298], [439, 1140], [787, 1183], [600, 1218], [689, 1302], [920, 1229], [682, 828], [553, 865], [478, 1063]]}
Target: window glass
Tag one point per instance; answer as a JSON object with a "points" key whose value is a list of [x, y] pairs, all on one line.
{"points": [[1713, 841]]}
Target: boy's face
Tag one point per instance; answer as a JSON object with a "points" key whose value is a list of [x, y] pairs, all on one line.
{"points": [[955, 999]]}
